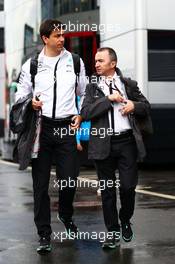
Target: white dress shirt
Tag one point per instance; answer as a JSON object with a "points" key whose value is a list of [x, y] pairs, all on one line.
{"points": [[121, 123], [44, 83]]}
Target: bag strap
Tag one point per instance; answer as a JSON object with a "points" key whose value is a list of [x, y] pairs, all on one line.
{"points": [[76, 61], [34, 69]]}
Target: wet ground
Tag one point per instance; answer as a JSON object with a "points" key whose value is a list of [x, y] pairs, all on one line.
{"points": [[153, 223]]}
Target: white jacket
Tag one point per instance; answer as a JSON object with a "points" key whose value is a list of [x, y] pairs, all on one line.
{"points": [[56, 93]]}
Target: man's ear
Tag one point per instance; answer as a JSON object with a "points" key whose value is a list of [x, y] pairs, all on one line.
{"points": [[45, 39], [113, 64]]}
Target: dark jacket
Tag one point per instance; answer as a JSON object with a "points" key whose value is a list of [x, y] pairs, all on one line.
{"points": [[95, 108], [26, 135]]}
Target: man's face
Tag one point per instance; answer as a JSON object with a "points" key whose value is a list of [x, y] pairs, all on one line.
{"points": [[103, 64], [55, 41]]}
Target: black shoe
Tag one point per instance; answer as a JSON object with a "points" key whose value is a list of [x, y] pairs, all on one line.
{"points": [[112, 240], [71, 228], [127, 232], [44, 245]]}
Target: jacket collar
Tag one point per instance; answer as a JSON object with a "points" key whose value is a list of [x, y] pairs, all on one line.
{"points": [[64, 52], [97, 78], [119, 73]]}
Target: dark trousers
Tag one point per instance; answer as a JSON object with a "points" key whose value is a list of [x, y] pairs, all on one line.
{"points": [[123, 156], [65, 156]]}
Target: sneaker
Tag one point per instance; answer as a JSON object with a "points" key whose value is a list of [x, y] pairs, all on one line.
{"points": [[112, 240], [44, 245], [127, 232], [71, 228]]}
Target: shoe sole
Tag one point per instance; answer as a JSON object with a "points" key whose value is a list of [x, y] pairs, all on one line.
{"points": [[44, 250], [117, 244], [110, 246], [128, 239]]}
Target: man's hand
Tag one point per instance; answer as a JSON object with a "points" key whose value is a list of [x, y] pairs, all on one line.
{"points": [[79, 147], [76, 121], [36, 104], [128, 107], [116, 97]]}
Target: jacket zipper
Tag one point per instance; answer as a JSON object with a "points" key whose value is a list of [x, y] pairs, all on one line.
{"points": [[54, 91]]}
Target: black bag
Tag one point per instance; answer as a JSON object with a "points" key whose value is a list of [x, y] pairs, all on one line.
{"points": [[19, 112], [145, 125]]}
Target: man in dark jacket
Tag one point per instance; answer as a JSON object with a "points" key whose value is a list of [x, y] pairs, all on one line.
{"points": [[119, 113]]}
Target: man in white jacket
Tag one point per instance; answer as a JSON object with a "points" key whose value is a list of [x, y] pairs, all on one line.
{"points": [[54, 95]]}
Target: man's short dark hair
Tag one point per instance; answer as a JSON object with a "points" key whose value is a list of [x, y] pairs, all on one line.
{"points": [[111, 52], [49, 25]]}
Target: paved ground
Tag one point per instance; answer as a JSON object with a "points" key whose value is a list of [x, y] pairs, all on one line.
{"points": [[153, 224]]}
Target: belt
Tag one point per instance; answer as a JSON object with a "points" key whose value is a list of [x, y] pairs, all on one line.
{"points": [[122, 134], [57, 121]]}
